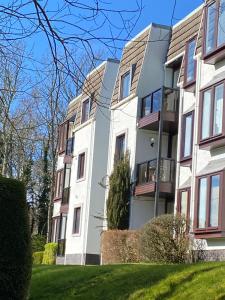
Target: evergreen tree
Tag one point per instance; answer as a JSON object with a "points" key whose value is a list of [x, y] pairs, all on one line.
{"points": [[119, 195], [43, 199]]}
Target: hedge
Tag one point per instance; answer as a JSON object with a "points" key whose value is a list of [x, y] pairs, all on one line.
{"points": [[37, 257], [38, 242], [120, 246], [50, 254], [15, 249]]}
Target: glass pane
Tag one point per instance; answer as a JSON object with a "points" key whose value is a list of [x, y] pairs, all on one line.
{"points": [[191, 62], [202, 203], [142, 175], [188, 136], [151, 171], [184, 203], [63, 228], [221, 24], [77, 220], [67, 177], [214, 200], [218, 110], [206, 114], [156, 101], [210, 31], [125, 85], [146, 106]]}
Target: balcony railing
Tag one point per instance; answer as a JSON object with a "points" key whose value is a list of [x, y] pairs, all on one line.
{"points": [[61, 247], [69, 146], [146, 172], [66, 195]]}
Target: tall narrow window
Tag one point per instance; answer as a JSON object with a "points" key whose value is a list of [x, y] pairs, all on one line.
{"points": [[85, 111], [76, 220], [151, 103], [215, 26], [125, 85], [59, 184], [120, 147], [190, 62], [81, 165], [63, 134], [209, 191], [187, 137], [211, 115], [183, 205], [156, 101], [66, 188], [146, 106]]}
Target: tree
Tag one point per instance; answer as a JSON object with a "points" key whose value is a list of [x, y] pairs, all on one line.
{"points": [[119, 195]]}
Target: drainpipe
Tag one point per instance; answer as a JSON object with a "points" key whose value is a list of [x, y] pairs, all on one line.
{"points": [[159, 154]]}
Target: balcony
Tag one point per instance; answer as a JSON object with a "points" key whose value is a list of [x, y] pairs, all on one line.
{"points": [[153, 110], [146, 178], [69, 150]]}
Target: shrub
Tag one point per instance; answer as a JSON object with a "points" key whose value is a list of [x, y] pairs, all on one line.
{"points": [[38, 242], [49, 254], [15, 249], [119, 195], [120, 246], [37, 257], [164, 239]]}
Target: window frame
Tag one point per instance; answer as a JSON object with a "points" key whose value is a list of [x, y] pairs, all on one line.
{"points": [[151, 104], [186, 60], [121, 83], [79, 177], [208, 228], [179, 197], [63, 136], [74, 233], [57, 194], [83, 119], [116, 156], [216, 48], [183, 129], [211, 137]]}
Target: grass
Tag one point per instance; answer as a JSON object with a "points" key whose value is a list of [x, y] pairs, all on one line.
{"points": [[134, 282]]}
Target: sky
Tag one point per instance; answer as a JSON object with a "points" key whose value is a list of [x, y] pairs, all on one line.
{"points": [[156, 11]]}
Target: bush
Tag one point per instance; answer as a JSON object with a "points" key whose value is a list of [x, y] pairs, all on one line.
{"points": [[164, 239], [15, 249], [120, 246], [49, 254], [38, 243], [37, 257]]}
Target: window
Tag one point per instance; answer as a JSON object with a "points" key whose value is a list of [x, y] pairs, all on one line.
{"points": [[55, 230], [183, 205], [81, 164], [209, 194], [151, 103], [212, 112], [63, 133], [62, 235], [66, 187], [187, 136], [59, 184], [76, 220], [215, 26], [125, 85], [120, 147], [85, 111], [190, 63]]}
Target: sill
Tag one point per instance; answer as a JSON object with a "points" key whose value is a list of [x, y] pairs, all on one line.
{"points": [[56, 199], [122, 101], [186, 162], [215, 56], [61, 152], [190, 86], [82, 125], [76, 234], [80, 179], [212, 142], [210, 232]]}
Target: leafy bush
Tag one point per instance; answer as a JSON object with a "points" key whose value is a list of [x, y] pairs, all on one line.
{"points": [[164, 239], [120, 246], [38, 242], [119, 195], [37, 257], [50, 254], [15, 249]]}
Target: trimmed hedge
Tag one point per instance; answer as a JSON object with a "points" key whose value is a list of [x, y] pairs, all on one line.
{"points": [[120, 246], [49, 254], [37, 257], [15, 241]]}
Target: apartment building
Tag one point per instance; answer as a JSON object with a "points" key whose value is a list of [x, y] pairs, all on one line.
{"points": [[167, 110], [82, 163]]}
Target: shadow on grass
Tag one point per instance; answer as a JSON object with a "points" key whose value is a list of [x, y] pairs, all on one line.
{"points": [[188, 278]]}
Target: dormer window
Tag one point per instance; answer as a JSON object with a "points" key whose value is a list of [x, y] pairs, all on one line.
{"points": [[125, 85], [190, 63], [214, 27], [85, 110]]}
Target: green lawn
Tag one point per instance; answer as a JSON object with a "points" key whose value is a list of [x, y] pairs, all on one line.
{"points": [[200, 281]]}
